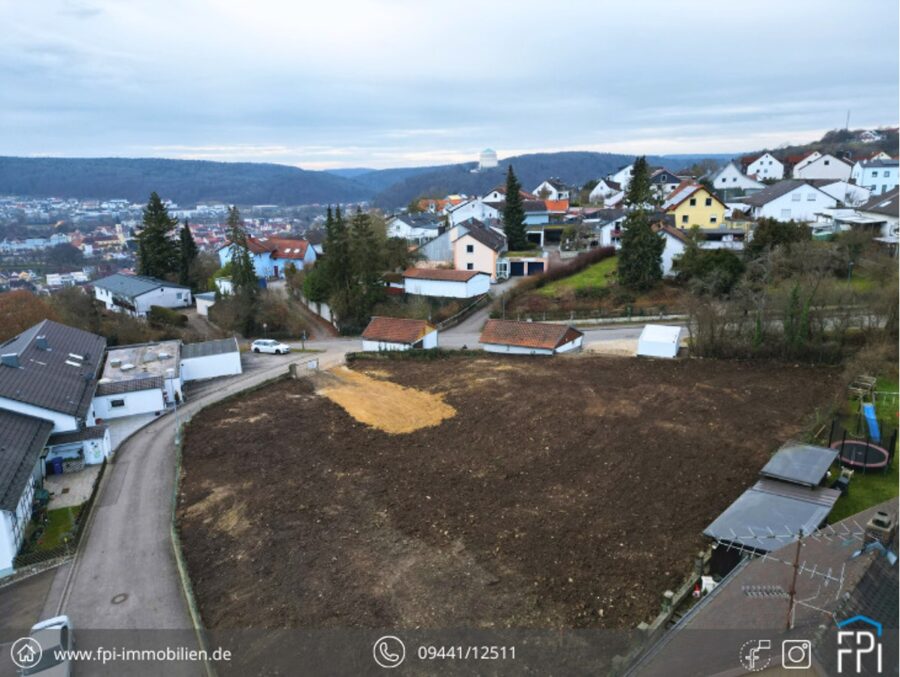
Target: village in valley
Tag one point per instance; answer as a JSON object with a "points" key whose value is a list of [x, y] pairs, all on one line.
{"points": [[266, 409]]}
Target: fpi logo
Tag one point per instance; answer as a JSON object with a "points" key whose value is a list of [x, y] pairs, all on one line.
{"points": [[858, 644]]}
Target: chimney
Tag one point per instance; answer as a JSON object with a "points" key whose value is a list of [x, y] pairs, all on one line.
{"points": [[41, 343], [10, 360], [880, 528]]}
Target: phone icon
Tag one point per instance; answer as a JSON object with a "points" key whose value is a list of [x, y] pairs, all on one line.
{"points": [[389, 651]]}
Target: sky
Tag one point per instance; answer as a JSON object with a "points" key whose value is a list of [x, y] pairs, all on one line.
{"points": [[393, 83]]}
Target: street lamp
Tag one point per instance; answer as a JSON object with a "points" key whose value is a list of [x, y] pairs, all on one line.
{"points": [[266, 329]]}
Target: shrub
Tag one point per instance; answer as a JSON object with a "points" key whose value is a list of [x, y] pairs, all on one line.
{"points": [[166, 317]]}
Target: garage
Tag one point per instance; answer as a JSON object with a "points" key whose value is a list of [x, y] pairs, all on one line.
{"points": [[535, 267], [210, 359], [516, 268]]}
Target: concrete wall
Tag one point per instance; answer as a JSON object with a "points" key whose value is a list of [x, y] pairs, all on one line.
{"points": [[203, 306], [138, 402], [211, 366], [479, 284]]}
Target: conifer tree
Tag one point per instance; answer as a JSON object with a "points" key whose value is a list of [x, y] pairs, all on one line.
{"points": [[514, 214], [243, 275], [640, 190], [187, 253], [157, 251]]}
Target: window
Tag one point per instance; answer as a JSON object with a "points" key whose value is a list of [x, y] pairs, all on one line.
{"points": [[470, 266], [684, 218], [811, 197], [786, 214], [117, 403], [712, 219], [470, 248], [874, 174], [709, 202], [693, 202], [734, 180], [795, 197], [827, 162]]}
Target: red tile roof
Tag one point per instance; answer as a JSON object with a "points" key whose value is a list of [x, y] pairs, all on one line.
{"points": [[528, 334], [396, 330], [279, 247], [441, 274], [557, 205]]}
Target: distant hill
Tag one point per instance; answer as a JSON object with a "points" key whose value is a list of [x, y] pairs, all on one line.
{"points": [[184, 181]]}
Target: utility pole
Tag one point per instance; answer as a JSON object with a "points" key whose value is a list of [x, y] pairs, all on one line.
{"points": [[793, 591]]}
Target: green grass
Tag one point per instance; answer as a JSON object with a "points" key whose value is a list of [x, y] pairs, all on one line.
{"points": [[597, 275], [60, 524]]}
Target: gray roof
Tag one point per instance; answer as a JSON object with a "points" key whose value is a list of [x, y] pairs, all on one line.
{"points": [[776, 190], [486, 236], [802, 464], [22, 438], [131, 386], [206, 348], [886, 204], [132, 286], [89, 433], [50, 378], [879, 163], [425, 221], [771, 514]]}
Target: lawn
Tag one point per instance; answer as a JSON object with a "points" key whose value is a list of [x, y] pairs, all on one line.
{"points": [[599, 275], [60, 524]]}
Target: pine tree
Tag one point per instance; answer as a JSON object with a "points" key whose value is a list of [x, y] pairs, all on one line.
{"points": [[640, 258], [340, 267], [514, 214], [187, 253], [640, 190], [243, 275], [157, 251], [366, 257]]}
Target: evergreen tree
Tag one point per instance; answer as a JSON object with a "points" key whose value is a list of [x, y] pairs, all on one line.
{"points": [[640, 258], [157, 251], [640, 190], [187, 254], [366, 256], [514, 214], [340, 267], [243, 275]]}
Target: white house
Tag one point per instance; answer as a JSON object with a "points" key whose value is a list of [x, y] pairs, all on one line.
{"points": [[459, 284], [604, 189], [800, 161], [143, 378], [136, 294], [789, 200], [766, 166], [398, 333], [823, 167], [204, 302], [473, 209], [622, 176], [417, 228], [878, 176], [210, 359], [676, 242], [730, 178], [845, 192], [552, 189], [660, 340], [498, 194], [529, 338]]}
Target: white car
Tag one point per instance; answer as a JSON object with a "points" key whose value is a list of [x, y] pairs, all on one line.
{"points": [[54, 636], [270, 346]]}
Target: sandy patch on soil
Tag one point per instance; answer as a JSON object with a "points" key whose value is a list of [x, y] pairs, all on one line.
{"points": [[385, 405], [221, 511], [618, 347]]}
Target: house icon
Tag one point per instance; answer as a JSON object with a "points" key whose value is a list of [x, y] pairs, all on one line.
{"points": [[862, 619], [26, 652]]}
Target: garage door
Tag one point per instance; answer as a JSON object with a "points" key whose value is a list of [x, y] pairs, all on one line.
{"points": [[535, 267], [516, 268]]}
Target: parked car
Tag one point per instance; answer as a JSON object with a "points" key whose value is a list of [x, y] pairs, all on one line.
{"points": [[54, 636], [270, 346]]}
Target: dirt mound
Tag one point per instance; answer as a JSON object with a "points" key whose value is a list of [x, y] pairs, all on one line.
{"points": [[382, 404]]}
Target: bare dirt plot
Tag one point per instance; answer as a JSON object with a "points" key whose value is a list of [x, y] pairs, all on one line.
{"points": [[563, 493]]}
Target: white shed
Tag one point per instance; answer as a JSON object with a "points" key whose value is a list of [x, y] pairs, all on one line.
{"points": [[458, 284], [660, 340], [209, 359], [399, 333], [204, 302]]}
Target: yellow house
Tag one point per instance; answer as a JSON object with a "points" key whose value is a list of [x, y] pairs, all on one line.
{"points": [[692, 204], [478, 248]]}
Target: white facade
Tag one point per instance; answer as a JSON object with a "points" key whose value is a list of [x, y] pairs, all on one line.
{"points": [[406, 229], [674, 248], [204, 302], [730, 178], [429, 341], [823, 167], [800, 204], [473, 209], [876, 177], [623, 176], [660, 340], [602, 191], [766, 166], [62, 423], [815, 155], [475, 286], [547, 191], [167, 297], [148, 401], [508, 349], [211, 366], [12, 526], [848, 193]]}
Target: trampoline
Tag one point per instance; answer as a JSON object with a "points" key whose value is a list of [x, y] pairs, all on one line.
{"points": [[862, 454]]}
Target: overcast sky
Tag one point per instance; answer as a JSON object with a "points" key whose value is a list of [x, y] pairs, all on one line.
{"points": [[344, 83]]}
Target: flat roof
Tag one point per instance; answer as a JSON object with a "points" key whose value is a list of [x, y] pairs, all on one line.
{"points": [[146, 360], [800, 464], [207, 348]]}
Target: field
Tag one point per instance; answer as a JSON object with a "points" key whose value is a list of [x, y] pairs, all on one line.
{"points": [[523, 493]]}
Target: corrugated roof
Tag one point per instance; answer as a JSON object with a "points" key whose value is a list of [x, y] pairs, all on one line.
{"points": [[206, 348], [396, 330], [528, 334], [441, 274], [22, 438], [53, 378], [131, 286]]}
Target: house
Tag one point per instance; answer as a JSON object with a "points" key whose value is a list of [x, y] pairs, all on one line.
{"points": [[789, 200], [270, 255], [792, 162], [139, 379], [552, 189], [878, 176], [604, 189], [459, 284], [691, 204], [210, 359], [529, 338], [417, 228], [844, 192], [823, 167], [763, 167], [136, 294], [663, 181], [885, 207], [870, 136], [478, 247], [22, 442], [398, 333], [729, 180], [498, 194], [622, 176], [475, 209]]}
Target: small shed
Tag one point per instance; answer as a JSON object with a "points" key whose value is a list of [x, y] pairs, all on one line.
{"points": [[210, 359], [204, 302], [457, 284], [660, 340], [399, 333], [530, 338], [801, 464]]}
